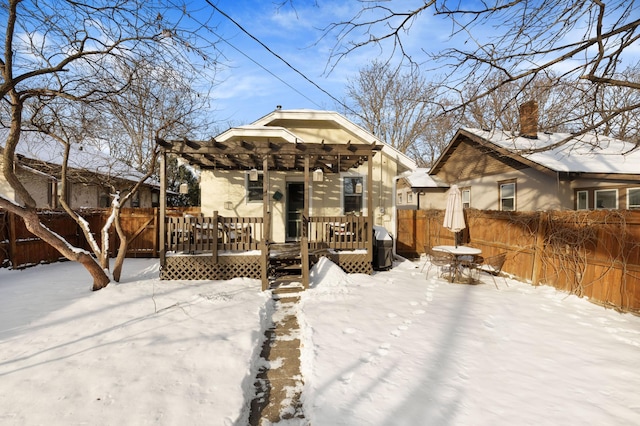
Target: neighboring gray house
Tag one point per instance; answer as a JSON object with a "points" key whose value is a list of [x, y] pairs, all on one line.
{"points": [[91, 173], [416, 190], [498, 170]]}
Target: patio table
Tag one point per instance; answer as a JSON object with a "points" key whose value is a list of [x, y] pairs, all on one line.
{"points": [[459, 254]]}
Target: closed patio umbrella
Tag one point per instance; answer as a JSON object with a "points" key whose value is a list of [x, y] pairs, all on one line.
{"points": [[453, 214]]}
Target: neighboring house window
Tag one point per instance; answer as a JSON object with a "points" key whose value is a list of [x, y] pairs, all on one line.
{"points": [[410, 197], [352, 190], [66, 196], [606, 198], [400, 198], [105, 200], [135, 199], [254, 188], [508, 196], [51, 194], [633, 198], [466, 198], [582, 198]]}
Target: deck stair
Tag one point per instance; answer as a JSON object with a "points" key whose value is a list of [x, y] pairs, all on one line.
{"points": [[285, 267]]}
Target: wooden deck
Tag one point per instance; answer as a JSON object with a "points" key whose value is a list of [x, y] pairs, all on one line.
{"points": [[222, 248]]}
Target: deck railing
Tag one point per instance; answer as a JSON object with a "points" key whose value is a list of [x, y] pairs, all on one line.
{"points": [[339, 232], [193, 234]]}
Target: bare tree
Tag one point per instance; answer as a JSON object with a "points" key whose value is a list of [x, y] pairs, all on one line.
{"points": [[64, 50], [581, 40], [399, 107], [500, 107], [161, 102]]}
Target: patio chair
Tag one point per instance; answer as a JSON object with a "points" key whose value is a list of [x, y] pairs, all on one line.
{"points": [[493, 266], [439, 259]]}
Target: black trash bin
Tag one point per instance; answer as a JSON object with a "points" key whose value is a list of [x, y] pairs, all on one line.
{"points": [[382, 249]]}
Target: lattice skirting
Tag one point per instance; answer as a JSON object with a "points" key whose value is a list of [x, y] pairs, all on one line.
{"points": [[203, 268], [351, 263]]}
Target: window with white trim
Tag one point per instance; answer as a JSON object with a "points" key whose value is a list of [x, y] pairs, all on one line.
{"points": [[508, 196], [582, 200], [254, 188], [606, 198], [409, 197], [352, 194], [399, 197], [466, 198], [633, 198]]}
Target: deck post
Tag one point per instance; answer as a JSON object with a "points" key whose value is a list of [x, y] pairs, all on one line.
{"points": [[305, 212], [264, 264], [369, 229], [304, 257], [214, 246], [266, 219], [162, 233]]}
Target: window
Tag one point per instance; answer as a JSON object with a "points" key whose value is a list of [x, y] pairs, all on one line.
{"points": [[606, 198], [104, 200], [508, 196], [466, 198], [51, 194], [582, 200], [352, 190], [409, 197], [633, 198], [399, 197], [254, 188]]}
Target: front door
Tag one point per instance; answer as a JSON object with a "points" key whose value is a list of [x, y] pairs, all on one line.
{"points": [[295, 208]]}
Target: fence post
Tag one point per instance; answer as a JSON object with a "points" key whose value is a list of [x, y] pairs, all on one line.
{"points": [[539, 248], [13, 245]]}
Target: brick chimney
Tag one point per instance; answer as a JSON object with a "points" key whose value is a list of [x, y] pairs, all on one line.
{"points": [[529, 120]]}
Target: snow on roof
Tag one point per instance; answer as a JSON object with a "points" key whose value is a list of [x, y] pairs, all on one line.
{"points": [[40, 147], [420, 178], [587, 153]]}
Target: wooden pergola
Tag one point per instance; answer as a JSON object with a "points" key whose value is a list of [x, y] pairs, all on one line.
{"points": [[266, 155]]}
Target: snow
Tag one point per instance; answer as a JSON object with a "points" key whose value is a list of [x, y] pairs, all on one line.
{"points": [[394, 348], [588, 153], [41, 147]]}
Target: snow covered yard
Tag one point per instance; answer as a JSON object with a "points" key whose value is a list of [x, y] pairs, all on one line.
{"points": [[394, 348]]}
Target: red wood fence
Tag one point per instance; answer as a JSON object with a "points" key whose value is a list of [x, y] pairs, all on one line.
{"points": [[19, 248], [594, 254]]}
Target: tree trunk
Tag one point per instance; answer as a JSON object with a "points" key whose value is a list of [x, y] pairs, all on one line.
{"points": [[122, 249], [33, 224]]}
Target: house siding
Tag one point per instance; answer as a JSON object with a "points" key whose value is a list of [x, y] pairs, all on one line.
{"points": [[218, 187], [36, 185], [470, 161], [472, 166]]}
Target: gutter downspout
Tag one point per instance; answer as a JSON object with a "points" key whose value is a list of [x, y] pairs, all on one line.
{"points": [[394, 216]]}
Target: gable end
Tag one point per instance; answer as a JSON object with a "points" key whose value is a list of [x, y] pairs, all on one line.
{"points": [[470, 160]]}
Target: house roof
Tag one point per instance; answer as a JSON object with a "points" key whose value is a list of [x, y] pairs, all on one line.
{"points": [[420, 178], [587, 154], [270, 138], [279, 116], [41, 151]]}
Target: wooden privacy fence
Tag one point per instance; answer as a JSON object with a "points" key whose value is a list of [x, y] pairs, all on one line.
{"points": [[19, 248], [595, 254]]}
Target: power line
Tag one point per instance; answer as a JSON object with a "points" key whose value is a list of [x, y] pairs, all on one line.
{"points": [[264, 68], [277, 56]]}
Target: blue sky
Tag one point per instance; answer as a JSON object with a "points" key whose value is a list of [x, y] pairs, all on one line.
{"points": [[255, 81]]}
